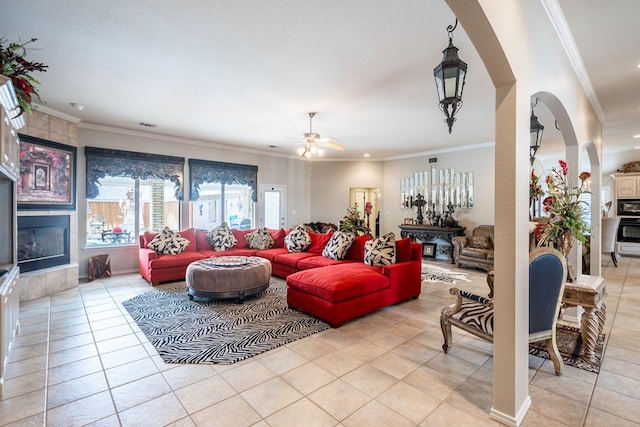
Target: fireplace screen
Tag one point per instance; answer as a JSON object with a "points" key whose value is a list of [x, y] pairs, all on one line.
{"points": [[43, 241]]}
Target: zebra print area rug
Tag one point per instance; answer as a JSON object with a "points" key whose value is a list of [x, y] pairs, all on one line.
{"points": [[569, 343], [220, 331]]}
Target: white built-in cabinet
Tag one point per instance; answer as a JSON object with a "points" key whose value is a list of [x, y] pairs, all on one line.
{"points": [[10, 122], [627, 186]]}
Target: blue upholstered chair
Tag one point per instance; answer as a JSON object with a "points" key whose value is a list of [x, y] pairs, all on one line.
{"points": [[474, 313]]}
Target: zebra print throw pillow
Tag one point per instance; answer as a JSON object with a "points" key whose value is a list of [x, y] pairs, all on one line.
{"points": [[381, 251], [339, 244], [168, 242], [221, 238], [259, 239], [298, 240]]}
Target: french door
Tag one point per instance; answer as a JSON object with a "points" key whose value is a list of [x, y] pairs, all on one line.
{"points": [[273, 214]]}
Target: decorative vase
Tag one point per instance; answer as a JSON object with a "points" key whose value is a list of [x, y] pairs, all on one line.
{"points": [[564, 245]]}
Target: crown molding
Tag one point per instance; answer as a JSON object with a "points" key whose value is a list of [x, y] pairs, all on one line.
{"points": [[559, 22]]}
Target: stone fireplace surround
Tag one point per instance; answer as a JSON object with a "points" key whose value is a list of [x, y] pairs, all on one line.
{"points": [[47, 281]]}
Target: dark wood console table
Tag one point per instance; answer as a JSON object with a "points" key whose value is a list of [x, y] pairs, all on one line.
{"points": [[430, 233]]}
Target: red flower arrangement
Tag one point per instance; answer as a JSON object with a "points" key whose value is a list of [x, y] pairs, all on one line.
{"points": [[14, 66], [564, 206]]}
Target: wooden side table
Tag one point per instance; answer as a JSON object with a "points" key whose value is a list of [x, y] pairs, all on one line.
{"points": [[588, 292]]}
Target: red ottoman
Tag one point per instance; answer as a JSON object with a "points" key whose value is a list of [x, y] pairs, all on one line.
{"points": [[339, 293]]}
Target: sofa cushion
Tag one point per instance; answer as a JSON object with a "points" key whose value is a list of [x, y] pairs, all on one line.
{"points": [[339, 282], [168, 242], [270, 254], [298, 240], [403, 250], [221, 238], [234, 251], [318, 242], [356, 251], [473, 252], [259, 239], [318, 261], [338, 245], [180, 260], [481, 242], [380, 251], [290, 259]]}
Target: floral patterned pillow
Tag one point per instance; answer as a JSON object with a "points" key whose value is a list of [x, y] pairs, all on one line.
{"points": [[259, 239], [168, 242], [221, 238], [381, 251], [298, 240], [338, 245]]}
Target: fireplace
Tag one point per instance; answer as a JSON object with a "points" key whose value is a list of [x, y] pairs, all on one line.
{"points": [[43, 241]]}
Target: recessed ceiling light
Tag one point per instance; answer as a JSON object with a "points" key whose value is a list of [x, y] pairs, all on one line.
{"points": [[636, 136], [367, 155], [77, 106]]}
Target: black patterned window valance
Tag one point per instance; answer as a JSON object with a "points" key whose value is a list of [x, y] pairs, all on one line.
{"points": [[203, 171], [103, 162]]}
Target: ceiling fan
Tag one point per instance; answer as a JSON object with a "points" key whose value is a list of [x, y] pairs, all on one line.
{"points": [[313, 144]]}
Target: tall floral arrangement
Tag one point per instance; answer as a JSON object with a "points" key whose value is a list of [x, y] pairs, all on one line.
{"points": [[354, 222], [564, 206], [14, 65]]}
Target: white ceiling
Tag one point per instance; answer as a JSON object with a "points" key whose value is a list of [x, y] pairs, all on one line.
{"points": [[246, 72]]}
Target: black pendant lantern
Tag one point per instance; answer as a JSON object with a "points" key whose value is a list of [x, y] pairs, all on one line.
{"points": [[535, 135], [450, 75]]}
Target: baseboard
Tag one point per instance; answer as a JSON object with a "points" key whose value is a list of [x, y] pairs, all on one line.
{"points": [[508, 420]]}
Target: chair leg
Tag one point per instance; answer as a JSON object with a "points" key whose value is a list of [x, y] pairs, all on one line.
{"points": [[614, 259], [552, 349], [446, 333]]}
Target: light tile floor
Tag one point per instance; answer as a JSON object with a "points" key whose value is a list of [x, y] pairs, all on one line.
{"points": [[81, 360]]}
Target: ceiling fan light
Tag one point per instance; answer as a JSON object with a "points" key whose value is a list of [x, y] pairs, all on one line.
{"points": [[301, 151], [307, 154], [320, 151], [313, 149]]}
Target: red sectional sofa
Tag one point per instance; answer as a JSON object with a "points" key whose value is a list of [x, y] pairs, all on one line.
{"points": [[332, 290]]}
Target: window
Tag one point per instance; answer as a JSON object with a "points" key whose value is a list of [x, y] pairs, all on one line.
{"points": [[129, 193], [218, 203], [111, 216], [222, 192]]}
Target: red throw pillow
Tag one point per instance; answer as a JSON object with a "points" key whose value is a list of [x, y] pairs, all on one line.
{"points": [[190, 235], [148, 236], [278, 237], [356, 251], [201, 240], [318, 242], [403, 249], [239, 235]]}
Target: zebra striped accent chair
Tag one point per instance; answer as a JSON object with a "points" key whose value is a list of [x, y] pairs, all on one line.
{"points": [[474, 313]]}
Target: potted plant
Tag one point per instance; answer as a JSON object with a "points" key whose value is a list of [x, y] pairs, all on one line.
{"points": [[353, 222], [15, 66]]}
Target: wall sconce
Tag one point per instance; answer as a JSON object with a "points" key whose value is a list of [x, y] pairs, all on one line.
{"points": [[535, 135], [450, 75]]}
